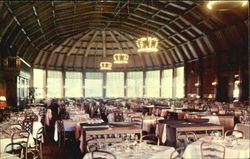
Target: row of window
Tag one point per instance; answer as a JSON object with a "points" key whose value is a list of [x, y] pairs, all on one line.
{"points": [[115, 84]]}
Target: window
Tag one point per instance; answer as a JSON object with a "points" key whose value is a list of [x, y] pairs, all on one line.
{"points": [[115, 84], [152, 84], [39, 82], [180, 82], [54, 84], [93, 84], [73, 84], [166, 83], [135, 84]]}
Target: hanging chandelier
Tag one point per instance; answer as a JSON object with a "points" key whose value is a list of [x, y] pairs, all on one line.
{"points": [[120, 58], [225, 5], [147, 44], [105, 66]]}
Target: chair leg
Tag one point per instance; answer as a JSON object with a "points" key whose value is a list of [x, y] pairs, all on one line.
{"points": [[41, 151]]}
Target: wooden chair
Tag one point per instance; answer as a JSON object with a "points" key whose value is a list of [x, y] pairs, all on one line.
{"points": [[21, 137], [15, 149], [236, 133], [150, 139], [28, 125], [62, 134], [37, 149], [177, 153], [118, 115], [137, 120], [189, 138], [103, 154], [212, 150], [92, 145]]}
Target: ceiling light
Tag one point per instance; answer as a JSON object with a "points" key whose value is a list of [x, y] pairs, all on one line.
{"points": [[147, 44], [105, 65], [120, 58], [225, 5]]}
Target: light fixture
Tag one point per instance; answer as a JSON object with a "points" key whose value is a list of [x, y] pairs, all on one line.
{"points": [[237, 82], [3, 102], [197, 84], [214, 83], [120, 58], [105, 65], [225, 5], [147, 44]]}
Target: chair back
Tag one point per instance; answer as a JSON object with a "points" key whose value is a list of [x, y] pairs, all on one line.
{"points": [[235, 133], [28, 125], [150, 139], [15, 149], [102, 155], [212, 150], [21, 137], [177, 153], [118, 115], [190, 137], [92, 145]]}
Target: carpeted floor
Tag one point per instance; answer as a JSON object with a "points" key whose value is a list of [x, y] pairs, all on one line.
{"points": [[51, 150]]}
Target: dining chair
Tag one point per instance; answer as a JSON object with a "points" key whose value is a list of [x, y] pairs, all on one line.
{"points": [[62, 134], [177, 153], [212, 150], [92, 144], [190, 137], [103, 154], [150, 139], [27, 125], [118, 115], [236, 133], [15, 149], [21, 137], [137, 120], [37, 148]]}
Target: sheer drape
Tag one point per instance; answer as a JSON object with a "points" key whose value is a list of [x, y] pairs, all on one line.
{"points": [[135, 84], [115, 84], [180, 82], [54, 84], [93, 84], [167, 83], [152, 84], [73, 84], [39, 82]]}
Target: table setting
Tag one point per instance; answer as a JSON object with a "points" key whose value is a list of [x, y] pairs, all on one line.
{"points": [[234, 148], [134, 150]]}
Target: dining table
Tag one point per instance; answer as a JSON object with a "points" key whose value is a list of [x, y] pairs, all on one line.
{"points": [[233, 150], [134, 150]]}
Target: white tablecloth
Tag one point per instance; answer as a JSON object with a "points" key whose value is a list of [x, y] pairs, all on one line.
{"points": [[213, 119], [8, 156], [145, 152], [244, 128], [236, 152]]}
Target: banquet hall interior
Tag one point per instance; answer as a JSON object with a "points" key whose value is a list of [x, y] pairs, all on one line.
{"points": [[124, 79]]}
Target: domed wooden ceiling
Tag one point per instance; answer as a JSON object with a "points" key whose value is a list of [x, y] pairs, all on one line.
{"points": [[78, 35]]}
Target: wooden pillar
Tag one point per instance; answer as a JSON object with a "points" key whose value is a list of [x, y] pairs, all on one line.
{"points": [[31, 82], [46, 83], [104, 84], [185, 79], [63, 83], [83, 83], [200, 78]]}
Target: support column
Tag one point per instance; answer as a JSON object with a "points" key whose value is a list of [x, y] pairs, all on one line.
{"points": [[174, 82], [104, 84], [83, 83], [46, 83], [63, 82], [161, 74]]}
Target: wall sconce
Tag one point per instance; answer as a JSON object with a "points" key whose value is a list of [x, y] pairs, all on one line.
{"points": [[214, 83], [3, 102], [237, 82], [210, 96], [198, 96], [197, 84]]}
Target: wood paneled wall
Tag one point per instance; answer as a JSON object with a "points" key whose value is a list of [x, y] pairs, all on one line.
{"points": [[219, 68]]}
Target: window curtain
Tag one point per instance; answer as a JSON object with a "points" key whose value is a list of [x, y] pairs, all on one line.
{"points": [[135, 84], [152, 84], [93, 84], [115, 84], [73, 84], [54, 84], [166, 83]]}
